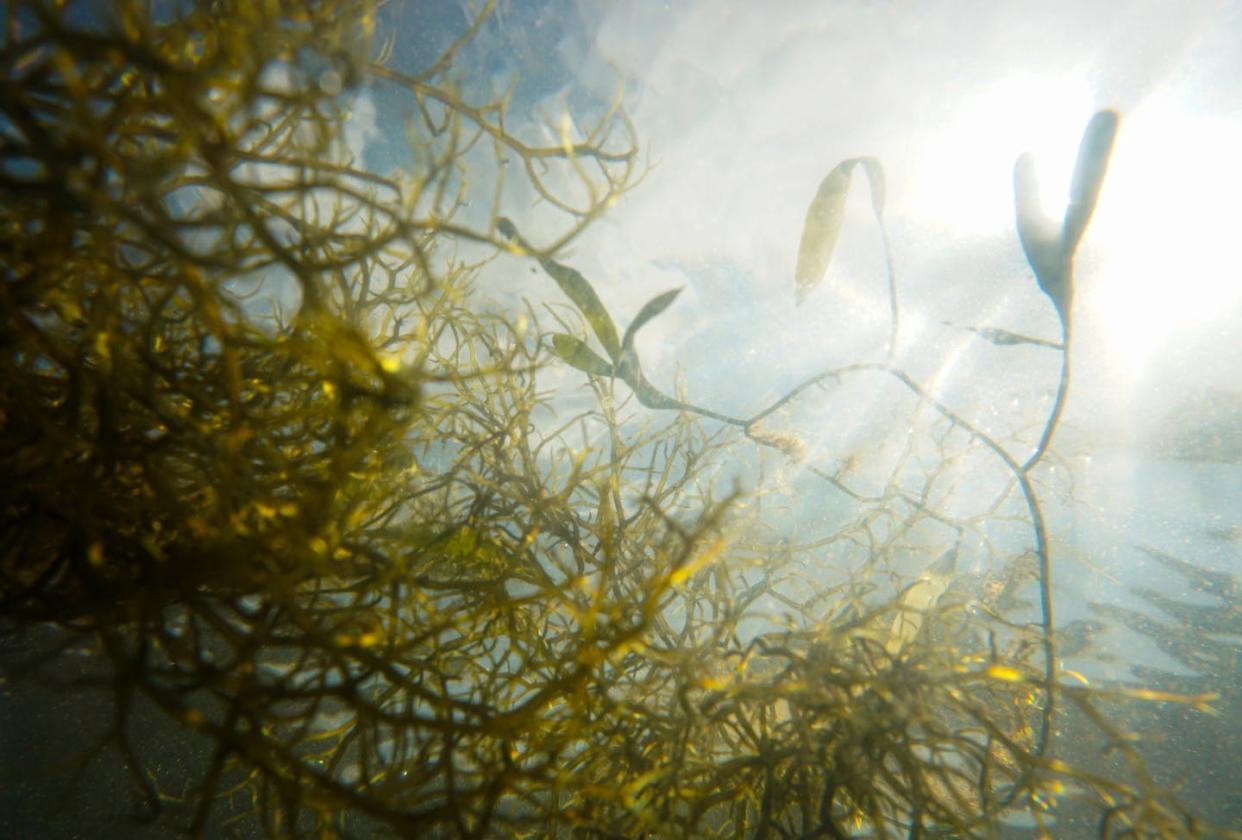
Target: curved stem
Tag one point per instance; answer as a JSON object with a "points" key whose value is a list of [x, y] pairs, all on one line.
{"points": [[894, 315], [1058, 405]]}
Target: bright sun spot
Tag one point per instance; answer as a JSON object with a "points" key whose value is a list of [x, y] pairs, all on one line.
{"points": [[966, 180], [1155, 260], [1163, 231]]}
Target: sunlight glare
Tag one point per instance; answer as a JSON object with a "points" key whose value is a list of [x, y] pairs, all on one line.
{"points": [[1155, 258], [966, 178], [1163, 231]]}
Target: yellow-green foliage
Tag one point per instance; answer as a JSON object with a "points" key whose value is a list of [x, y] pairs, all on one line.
{"points": [[260, 441]]}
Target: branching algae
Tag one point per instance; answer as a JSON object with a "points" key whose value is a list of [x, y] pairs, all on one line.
{"points": [[307, 497]]}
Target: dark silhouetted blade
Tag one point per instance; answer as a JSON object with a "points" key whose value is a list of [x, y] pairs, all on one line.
{"points": [[651, 309], [1093, 154]]}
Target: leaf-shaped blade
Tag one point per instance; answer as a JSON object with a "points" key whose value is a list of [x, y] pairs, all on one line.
{"points": [[1005, 338], [576, 287], [1089, 170], [825, 216], [917, 599], [575, 352], [821, 229], [582, 293], [1040, 235], [651, 309]]}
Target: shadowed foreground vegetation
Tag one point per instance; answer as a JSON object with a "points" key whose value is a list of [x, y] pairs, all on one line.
{"points": [[280, 470]]}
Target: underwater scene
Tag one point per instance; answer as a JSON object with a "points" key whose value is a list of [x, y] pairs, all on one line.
{"points": [[582, 419]]}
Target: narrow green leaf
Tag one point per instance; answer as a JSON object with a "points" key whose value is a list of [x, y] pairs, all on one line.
{"points": [[582, 293], [918, 598], [576, 288], [821, 229], [825, 216], [1089, 170], [651, 309], [575, 352]]}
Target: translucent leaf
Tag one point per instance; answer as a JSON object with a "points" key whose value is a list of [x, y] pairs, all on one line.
{"points": [[1089, 170], [575, 352], [821, 229], [918, 598], [824, 218], [651, 309], [1040, 236]]}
